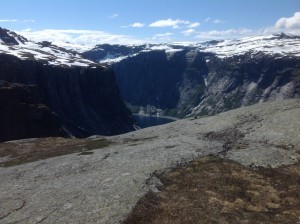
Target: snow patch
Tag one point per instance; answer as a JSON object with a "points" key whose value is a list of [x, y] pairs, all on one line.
{"points": [[51, 54], [271, 44]]}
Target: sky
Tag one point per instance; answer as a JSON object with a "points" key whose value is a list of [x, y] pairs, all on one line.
{"points": [[92, 22]]}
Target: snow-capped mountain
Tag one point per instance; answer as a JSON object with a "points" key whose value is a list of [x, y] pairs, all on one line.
{"points": [[205, 78], [281, 44], [50, 91], [14, 44], [182, 78]]}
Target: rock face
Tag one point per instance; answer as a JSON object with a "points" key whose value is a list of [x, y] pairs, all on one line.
{"points": [[206, 78], [23, 114], [151, 78], [171, 82], [247, 79], [86, 100], [83, 94]]}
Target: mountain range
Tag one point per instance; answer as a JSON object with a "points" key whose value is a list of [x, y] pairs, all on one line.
{"points": [[204, 78], [84, 91]]}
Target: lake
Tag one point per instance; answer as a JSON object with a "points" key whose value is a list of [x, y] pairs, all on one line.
{"points": [[148, 121]]}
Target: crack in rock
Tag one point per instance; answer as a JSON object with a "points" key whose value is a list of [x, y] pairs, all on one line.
{"points": [[23, 203]]}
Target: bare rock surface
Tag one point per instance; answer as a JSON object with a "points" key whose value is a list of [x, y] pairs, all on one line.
{"points": [[102, 187]]}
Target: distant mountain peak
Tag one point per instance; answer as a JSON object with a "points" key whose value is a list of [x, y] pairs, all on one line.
{"points": [[285, 36], [11, 38], [17, 45]]}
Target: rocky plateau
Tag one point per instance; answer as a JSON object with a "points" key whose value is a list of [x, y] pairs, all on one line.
{"points": [[103, 185]]}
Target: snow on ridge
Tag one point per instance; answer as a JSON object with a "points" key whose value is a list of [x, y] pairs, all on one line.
{"points": [[44, 51], [271, 44], [80, 48], [67, 54], [281, 44]]}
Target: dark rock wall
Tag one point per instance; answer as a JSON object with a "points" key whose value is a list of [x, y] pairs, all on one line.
{"points": [[23, 114], [155, 78], [248, 79], [200, 83], [86, 100]]}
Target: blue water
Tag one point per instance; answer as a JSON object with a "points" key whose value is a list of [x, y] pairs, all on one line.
{"points": [[148, 121]]}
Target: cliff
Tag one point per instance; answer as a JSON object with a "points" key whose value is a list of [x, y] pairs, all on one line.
{"points": [[247, 79], [23, 114], [86, 100], [205, 78]]}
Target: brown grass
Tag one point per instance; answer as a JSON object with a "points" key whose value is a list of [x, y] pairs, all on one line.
{"points": [[211, 190], [15, 153]]}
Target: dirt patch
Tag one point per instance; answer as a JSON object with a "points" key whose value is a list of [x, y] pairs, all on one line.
{"points": [[212, 190], [25, 151]]}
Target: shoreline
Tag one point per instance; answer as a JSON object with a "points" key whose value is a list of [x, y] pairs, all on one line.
{"points": [[166, 117]]}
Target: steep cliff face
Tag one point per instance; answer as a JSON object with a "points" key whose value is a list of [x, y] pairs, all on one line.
{"points": [[151, 78], [86, 100], [23, 114], [247, 79], [206, 78], [164, 80]]}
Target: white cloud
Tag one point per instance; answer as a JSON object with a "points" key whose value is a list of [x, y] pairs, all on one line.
{"points": [[217, 21], [223, 34], [89, 38], [137, 25], [194, 25], [113, 16], [29, 21], [174, 23], [168, 23], [9, 20], [188, 32], [163, 34], [17, 21], [163, 37], [291, 23]]}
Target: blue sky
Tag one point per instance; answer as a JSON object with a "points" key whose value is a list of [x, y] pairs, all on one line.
{"points": [[91, 21]]}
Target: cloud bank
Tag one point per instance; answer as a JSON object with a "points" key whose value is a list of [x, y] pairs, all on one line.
{"points": [[78, 39]]}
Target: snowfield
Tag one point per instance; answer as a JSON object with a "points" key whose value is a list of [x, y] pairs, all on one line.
{"points": [[273, 44], [44, 51], [277, 44]]}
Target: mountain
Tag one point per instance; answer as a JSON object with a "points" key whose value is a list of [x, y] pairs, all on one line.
{"points": [[205, 78], [83, 94]]}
